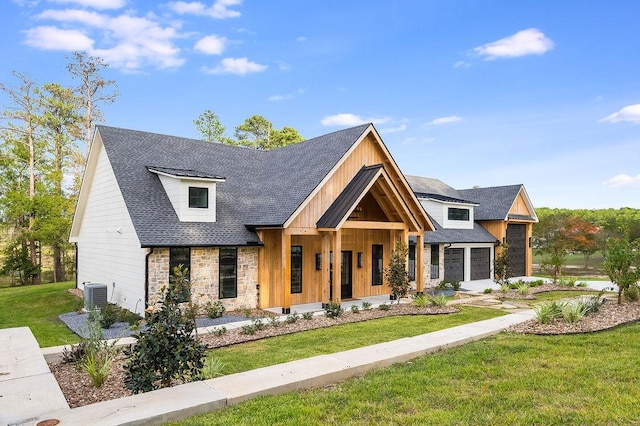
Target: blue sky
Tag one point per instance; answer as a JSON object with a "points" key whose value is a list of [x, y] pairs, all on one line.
{"points": [[543, 93]]}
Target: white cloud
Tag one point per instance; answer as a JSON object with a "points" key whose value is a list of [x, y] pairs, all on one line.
{"points": [[52, 38], [93, 19], [211, 45], [444, 120], [522, 43], [237, 66], [629, 113], [461, 64], [623, 180], [96, 4], [286, 97], [412, 140], [351, 120], [218, 10], [399, 128]]}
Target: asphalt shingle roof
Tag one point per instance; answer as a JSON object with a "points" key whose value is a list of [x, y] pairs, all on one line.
{"points": [[447, 235], [425, 187], [261, 187], [494, 202]]}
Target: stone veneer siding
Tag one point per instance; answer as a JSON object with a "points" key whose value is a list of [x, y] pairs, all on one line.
{"points": [[426, 265], [204, 276]]}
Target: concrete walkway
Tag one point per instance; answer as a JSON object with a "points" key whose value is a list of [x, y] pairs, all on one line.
{"points": [[20, 407]]}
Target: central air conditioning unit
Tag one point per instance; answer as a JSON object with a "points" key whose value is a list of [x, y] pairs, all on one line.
{"points": [[95, 295]]}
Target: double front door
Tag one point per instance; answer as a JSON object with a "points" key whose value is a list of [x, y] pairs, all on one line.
{"points": [[346, 275]]}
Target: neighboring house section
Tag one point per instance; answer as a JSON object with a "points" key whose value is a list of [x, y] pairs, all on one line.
{"points": [[255, 228], [470, 226]]}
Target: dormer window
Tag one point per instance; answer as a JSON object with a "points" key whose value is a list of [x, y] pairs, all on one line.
{"points": [[198, 197], [458, 214]]}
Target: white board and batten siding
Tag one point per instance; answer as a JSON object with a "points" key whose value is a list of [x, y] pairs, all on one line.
{"points": [[178, 192], [108, 248], [439, 211]]}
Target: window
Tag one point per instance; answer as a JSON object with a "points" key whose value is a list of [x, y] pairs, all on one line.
{"points": [[412, 261], [376, 264], [296, 269], [435, 261], [458, 214], [198, 197], [180, 256], [228, 272]]}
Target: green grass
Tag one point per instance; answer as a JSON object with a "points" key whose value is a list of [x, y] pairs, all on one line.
{"points": [[38, 307], [276, 350], [506, 379]]}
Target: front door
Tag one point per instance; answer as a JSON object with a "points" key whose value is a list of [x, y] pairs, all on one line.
{"points": [[346, 288]]}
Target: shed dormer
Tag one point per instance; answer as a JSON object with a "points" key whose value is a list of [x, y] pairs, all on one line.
{"points": [[192, 193]]}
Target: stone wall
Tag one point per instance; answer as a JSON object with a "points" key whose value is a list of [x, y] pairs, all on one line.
{"points": [[204, 276], [426, 264]]}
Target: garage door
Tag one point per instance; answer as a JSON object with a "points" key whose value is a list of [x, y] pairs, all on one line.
{"points": [[480, 263], [454, 264], [517, 240]]}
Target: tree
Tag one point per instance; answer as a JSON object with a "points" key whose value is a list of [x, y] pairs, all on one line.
{"points": [[396, 274], [91, 89], [501, 266], [23, 119], [286, 136], [210, 128], [254, 132], [622, 263], [549, 241], [581, 236]]}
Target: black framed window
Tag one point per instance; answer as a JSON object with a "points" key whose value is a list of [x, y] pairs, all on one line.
{"points": [[228, 276], [198, 197], [412, 261], [435, 261], [296, 269], [180, 256], [376, 264], [458, 214]]}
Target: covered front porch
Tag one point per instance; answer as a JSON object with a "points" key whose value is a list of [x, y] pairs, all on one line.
{"points": [[301, 308]]}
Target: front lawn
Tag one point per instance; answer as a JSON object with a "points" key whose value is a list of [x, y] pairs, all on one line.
{"points": [[38, 307], [506, 379], [276, 350]]}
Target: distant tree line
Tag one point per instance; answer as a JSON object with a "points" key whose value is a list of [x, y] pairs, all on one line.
{"points": [[561, 232]]}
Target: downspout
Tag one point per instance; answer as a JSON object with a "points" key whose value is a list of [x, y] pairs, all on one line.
{"points": [[76, 262], [146, 278]]}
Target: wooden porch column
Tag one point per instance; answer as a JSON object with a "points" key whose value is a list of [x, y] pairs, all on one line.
{"points": [[337, 265], [419, 266], [325, 280], [286, 272]]}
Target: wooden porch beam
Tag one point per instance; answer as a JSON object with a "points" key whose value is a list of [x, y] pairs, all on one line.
{"points": [[302, 231], [325, 264], [286, 272], [419, 267], [363, 224], [337, 265]]}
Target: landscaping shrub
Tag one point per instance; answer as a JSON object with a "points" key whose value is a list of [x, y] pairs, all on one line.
{"points": [[98, 353], [366, 306], [166, 350], [333, 310], [632, 293], [488, 291], [219, 331], [212, 368], [384, 307], [275, 322], [108, 315], [214, 309], [549, 311], [455, 285], [307, 315], [396, 274], [292, 318], [355, 309], [574, 311], [440, 300], [420, 300], [523, 288]]}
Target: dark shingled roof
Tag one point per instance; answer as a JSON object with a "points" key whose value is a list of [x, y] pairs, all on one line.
{"points": [[494, 202], [425, 187], [261, 187], [184, 173], [443, 236], [340, 207]]}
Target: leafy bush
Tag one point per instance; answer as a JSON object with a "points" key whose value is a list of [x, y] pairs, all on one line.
{"points": [[536, 283], [292, 318], [108, 315], [219, 331], [439, 300], [581, 284], [333, 310], [255, 326], [98, 353], [355, 309], [275, 322], [504, 287], [307, 315], [574, 311], [396, 274], [523, 288], [488, 291], [384, 307], [420, 300], [632, 293], [97, 366], [166, 349], [213, 367], [455, 285], [547, 312], [214, 309], [366, 306], [75, 353], [129, 317]]}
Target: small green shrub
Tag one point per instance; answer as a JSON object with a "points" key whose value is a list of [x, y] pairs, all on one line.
{"points": [[488, 291], [255, 326], [98, 353], [333, 310], [523, 288], [536, 283], [455, 285], [420, 300], [574, 311], [292, 318], [581, 284], [366, 306], [97, 366], [547, 312], [219, 331], [442, 285], [214, 309], [632, 293], [108, 315], [74, 353], [275, 322], [504, 287], [384, 307], [440, 300], [307, 315], [355, 309], [129, 317], [213, 367]]}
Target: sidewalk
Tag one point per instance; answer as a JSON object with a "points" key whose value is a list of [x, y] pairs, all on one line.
{"points": [[187, 400]]}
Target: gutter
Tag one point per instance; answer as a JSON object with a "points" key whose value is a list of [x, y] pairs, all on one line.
{"points": [[146, 278]]}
